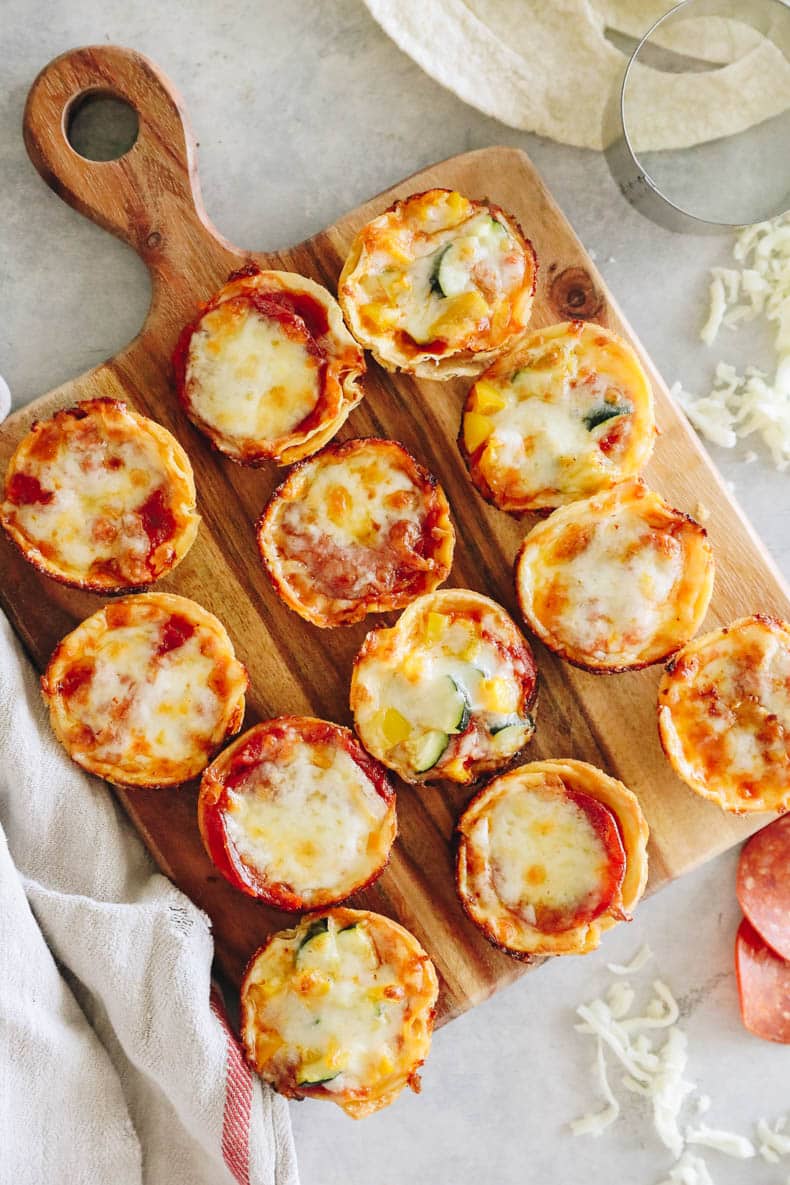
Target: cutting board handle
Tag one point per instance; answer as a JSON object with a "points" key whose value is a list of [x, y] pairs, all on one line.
{"points": [[150, 196]]}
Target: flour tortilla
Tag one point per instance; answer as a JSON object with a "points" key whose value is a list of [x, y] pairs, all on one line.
{"points": [[546, 66]]}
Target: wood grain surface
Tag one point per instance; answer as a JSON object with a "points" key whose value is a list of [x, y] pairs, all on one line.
{"points": [[150, 199]]}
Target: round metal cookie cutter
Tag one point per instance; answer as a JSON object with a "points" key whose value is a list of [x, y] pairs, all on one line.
{"points": [[732, 190]]}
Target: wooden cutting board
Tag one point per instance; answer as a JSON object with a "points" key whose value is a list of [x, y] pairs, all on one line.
{"points": [[150, 199]]}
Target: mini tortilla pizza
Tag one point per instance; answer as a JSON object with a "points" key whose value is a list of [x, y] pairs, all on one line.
{"points": [[296, 813], [100, 498], [340, 1008], [724, 715], [448, 692], [268, 371], [617, 581], [361, 528], [550, 856], [567, 413], [145, 691], [438, 285]]}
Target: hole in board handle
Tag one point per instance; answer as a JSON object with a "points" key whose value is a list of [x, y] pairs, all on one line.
{"points": [[100, 126]]}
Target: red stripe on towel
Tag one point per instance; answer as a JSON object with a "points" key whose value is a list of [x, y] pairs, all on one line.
{"points": [[238, 1100]]}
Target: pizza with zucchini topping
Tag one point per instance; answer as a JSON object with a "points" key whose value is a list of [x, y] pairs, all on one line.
{"points": [[438, 285], [340, 1008], [448, 692], [567, 413]]}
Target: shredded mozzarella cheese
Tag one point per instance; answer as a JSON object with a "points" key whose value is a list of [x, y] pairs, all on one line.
{"points": [[739, 405], [689, 1170], [658, 1074], [730, 1143], [773, 1143], [642, 956], [593, 1125]]}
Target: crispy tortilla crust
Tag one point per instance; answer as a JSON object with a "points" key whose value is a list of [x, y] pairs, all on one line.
{"points": [[340, 394], [327, 612], [112, 420], [692, 597], [423, 364], [677, 721], [389, 646], [506, 488], [501, 925], [80, 644], [271, 735], [401, 949]]}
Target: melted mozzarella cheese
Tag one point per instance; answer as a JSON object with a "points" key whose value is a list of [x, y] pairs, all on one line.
{"points": [[247, 377], [336, 1007], [307, 824], [87, 493], [98, 479], [355, 500], [725, 705], [140, 704], [543, 850], [480, 250], [614, 592], [617, 580], [459, 671]]}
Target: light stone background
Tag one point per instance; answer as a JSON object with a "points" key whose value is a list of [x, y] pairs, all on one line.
{"points": [[303, 109]]}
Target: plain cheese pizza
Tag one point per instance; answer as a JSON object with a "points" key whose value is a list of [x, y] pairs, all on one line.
{"points": [[448, 692], [268, 371], [361, 528], [616, 581], [550, 856], [438, 285], [145, 691], [296, 813], [724, 715], [569, 412], [340, 1008], [100, 498]]}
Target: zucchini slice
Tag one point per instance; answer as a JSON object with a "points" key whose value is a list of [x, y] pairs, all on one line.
{"points": [[316, 1074], [513, 733], [317, 948], [525, 721], [604, 412], [428, 752], [435, 281], [447, 708], [313, 930], [352, 940]]}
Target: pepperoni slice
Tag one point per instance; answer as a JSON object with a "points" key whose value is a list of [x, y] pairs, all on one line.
{"points": [[763, 884], [763, 986]]}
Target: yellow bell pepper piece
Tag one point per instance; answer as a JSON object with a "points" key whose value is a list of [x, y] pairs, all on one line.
{"points": [[487, 398], [477, 430], [394, 727], [413, 665], [434, 627], [463, 311], [498, 695]]}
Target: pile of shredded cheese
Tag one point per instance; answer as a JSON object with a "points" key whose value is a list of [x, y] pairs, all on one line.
{"points": [[740, 405], [657, 1071]]}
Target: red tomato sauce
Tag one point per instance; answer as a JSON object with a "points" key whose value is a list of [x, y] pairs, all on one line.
{"points": [[25, 490]]}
